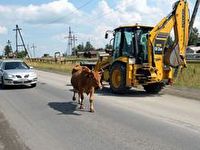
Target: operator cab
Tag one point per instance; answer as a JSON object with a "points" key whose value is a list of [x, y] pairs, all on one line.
{"points": [[131, 41]]}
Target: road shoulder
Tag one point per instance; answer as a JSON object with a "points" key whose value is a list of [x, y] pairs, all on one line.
{"points": [[9, 139], [183, 92]]}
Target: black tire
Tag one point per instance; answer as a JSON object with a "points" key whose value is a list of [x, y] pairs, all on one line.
{"points": [[153, 88], [33, 85], [118, 69], [3, 86]]}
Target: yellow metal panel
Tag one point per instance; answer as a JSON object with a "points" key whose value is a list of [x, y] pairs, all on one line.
{"points": [[129, 77], [122, 59], [106, 75], [182, 26]]}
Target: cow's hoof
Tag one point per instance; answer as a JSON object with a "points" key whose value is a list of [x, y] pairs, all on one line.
{"points": [[74, 98], [81, 107], [92, 110]]}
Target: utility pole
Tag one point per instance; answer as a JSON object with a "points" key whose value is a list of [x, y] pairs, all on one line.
{"points": [[74, 39], [194, 13], [28, 49], [18, 31], [16, 37], [33, 47], [70, 41]]}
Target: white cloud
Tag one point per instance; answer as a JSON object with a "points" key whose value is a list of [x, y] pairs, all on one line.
{"points": [[60, 37], [129, 12], [197, 23], [114, 16], [57, 11], [126, 12], [3, 30], [88, 25], [96, 37], [1, 49]]}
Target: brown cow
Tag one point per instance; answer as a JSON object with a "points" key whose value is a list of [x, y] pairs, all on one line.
{"points": [[85, 80], [79, 68]]}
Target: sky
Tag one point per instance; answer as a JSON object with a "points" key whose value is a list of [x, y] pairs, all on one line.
{"points": [[45, 23]]}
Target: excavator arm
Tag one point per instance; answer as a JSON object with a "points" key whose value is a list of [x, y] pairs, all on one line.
{"points": [[177, 20], [162, 56]]}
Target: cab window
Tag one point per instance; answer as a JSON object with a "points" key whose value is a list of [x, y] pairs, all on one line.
{"points": [[128, 43], [117, 43]]}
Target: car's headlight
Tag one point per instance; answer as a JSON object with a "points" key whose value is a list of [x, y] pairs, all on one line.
{"points": [[33, 74], [10, 76]]}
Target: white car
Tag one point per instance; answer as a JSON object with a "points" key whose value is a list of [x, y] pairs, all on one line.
{"points": [[16, 72]]}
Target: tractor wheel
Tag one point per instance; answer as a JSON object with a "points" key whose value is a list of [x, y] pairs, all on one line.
{"points": [[118, 78], [153, 88]]}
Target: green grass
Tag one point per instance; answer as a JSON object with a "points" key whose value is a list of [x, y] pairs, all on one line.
{"points": [[64, 68], [190, 76]]}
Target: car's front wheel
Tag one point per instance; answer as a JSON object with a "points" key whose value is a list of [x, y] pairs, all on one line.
{"points": [[3, 86]]}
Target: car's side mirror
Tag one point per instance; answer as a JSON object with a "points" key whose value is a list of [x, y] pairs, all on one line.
{"points": [[106, 35]]}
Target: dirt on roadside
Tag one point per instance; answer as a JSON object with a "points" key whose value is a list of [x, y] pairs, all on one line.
{"points": [[183, 92], [9, 140]]}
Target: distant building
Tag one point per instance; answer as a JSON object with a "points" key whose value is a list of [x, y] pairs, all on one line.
{"points": [[198, 42], [193, 49], [193, 52], [90, 53]]}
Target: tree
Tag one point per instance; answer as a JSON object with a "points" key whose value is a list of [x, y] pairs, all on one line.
{"points": [[80, 47], [198, 42], [193, 37], [88, 46], [170, 42], [108, 46], [46, 55], [7, 50], [21, 54]]}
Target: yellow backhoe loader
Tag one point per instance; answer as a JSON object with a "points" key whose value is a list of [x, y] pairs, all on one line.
{"points": [[141, 55]]}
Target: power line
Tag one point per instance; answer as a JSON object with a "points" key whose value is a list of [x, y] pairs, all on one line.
{"points": [[93, 19], [101, 16], [78, 8]]}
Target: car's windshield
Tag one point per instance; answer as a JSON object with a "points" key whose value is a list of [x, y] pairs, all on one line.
{"points": [[15, 65]]}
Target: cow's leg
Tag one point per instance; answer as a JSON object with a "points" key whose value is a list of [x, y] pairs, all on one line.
{"points": [[81, 100], [74, 96], [91, 99]]}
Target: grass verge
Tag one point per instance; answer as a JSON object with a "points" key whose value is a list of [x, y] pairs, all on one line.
{"points": [[190, 76], [63, 68]]}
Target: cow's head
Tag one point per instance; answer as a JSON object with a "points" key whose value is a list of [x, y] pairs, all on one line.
{"points": [[95, 76]]}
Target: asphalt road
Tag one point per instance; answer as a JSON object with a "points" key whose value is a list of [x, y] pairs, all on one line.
{"points": [[45, 118]]}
